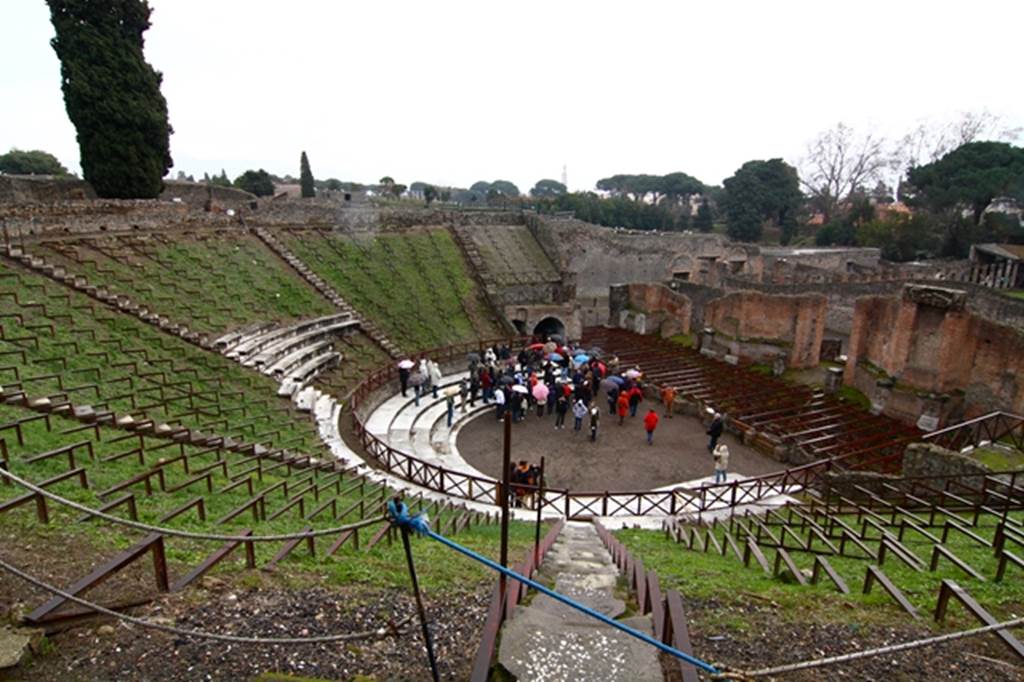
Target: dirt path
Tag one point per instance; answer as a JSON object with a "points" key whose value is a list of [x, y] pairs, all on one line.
{"points": [[619, 460]]}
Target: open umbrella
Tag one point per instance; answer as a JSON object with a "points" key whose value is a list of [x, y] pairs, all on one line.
{"points": [[540, 392], [555, 357], [506, 380], [535, 346], [519, 388], [557, 338], [581, 358], [473, 357], [617, 379], [451, 391], [633, 373], [406, 364], [609, 385]]}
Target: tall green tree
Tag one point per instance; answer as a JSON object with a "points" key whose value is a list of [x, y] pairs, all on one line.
{"points": [[761, 191], [32, 162], [306, 178], [547, 188], [429, 194], [505, 188], [112, 95], [969, 177], [257, 182], [704, 220]]}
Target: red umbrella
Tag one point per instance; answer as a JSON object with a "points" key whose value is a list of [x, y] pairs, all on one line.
{"points": [[535, 346]]}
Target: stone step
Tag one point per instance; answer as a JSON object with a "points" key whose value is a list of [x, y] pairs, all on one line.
{"points": [[549, 640]]}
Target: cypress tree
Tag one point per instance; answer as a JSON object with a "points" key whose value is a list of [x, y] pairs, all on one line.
{"points": [[112, 95], [703, 221], [306, 178]]}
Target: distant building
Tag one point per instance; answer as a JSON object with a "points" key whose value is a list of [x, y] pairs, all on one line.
{"points": [[1002, 263]]}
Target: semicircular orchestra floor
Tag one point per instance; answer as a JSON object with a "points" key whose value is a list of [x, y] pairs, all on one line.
{"points": [[620, 459]]}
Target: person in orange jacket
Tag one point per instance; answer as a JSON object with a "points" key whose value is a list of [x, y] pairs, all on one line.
{"points": [[668, 397], [622, 406], [650, 423]]}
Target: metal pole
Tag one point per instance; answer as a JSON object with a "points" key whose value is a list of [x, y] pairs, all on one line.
{"points": [[419, 604], [506, 479], [536, 530]]}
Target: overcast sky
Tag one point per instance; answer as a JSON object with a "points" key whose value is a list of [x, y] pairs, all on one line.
{"points": [[455, 92]]}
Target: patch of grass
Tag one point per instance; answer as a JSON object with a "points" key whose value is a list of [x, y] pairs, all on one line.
{"points": [[1013, 293], [684, 340], [414, 285], [761, 368], [211, 282], [854, 396], [999, 460], [724, 581]]}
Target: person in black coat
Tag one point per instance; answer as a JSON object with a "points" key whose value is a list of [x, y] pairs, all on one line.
{"points": [[715, 431]]}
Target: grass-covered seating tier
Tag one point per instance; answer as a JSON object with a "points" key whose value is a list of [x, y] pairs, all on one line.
{"points": [[415, 285], [211, 281]]}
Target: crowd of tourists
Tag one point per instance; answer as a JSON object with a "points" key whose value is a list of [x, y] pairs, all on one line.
{"points": [[551, 378]]}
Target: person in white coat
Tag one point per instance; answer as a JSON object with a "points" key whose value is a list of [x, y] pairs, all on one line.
{"points": [[721, 462]]}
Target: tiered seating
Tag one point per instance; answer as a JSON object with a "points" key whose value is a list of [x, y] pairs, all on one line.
{"points": [[162, 480], [64, 351], [771, 411], [210, 280], [507, 255], [930, 534], [292, 355], [414, 285]]}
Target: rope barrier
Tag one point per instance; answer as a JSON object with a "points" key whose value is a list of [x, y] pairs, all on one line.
{"points": [[418, 524], [379, 633], [184, 533], [740, 675]]}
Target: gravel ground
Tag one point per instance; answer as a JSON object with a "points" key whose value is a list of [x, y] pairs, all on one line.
{"points": [[766, 640], [122, 652], [619, 460]]}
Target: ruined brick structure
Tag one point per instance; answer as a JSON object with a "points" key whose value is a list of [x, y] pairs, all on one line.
{"points": [[925, 353]]}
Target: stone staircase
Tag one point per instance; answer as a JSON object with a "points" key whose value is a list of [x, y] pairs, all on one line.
{"points": [[547, 640], [318, 283]]}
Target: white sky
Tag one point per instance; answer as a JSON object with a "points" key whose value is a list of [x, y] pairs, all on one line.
{"points": [[455, 92]]}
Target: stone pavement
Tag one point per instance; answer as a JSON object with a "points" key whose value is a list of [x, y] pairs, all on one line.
{"points": [[547, 640]]}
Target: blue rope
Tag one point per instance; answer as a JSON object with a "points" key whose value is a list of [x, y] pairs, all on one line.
{"points": [[400, 516]]}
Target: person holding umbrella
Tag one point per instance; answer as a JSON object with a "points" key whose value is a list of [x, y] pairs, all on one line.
{"points": [[518, 391], [403, 374], [540, 395]]}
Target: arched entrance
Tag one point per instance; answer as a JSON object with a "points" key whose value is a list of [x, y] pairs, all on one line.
{"points": [[549, 326]]}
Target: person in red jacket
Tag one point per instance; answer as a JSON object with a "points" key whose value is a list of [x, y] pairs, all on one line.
{"points": [[622, 406], [650, 423]]}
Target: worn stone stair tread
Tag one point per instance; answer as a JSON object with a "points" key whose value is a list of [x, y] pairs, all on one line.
{"points": [[538, 646]]}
